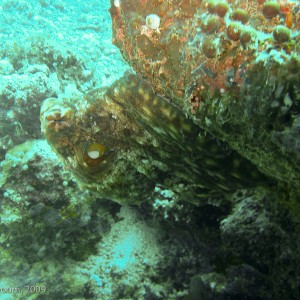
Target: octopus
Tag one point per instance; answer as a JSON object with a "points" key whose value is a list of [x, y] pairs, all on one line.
{"points": [[123, 140], [213, 100]]}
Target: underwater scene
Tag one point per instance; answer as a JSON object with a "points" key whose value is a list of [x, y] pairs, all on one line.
{"points": [[150, 149]]}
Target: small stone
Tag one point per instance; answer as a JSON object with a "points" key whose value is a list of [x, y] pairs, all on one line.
{"points": [[210, 25], [209, 48], [247, 38], [281, 34], [271, 9], [25, 167], [211, 6], [234, 31], [240, 15], [222, 9], [6, 67]]}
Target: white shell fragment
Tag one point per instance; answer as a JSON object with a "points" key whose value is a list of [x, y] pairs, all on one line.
{"points": [[153, 21], [117, 3]]}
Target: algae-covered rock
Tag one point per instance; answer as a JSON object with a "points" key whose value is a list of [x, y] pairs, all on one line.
{"points": [[38, 220], [28, 75], [246, 95]]}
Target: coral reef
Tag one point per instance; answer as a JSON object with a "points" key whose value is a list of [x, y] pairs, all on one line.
{"points": [[204, 138], [25, 85], [37, 220]]}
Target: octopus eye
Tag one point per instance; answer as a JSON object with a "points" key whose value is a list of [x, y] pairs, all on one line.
{"points": [[94, 153]]}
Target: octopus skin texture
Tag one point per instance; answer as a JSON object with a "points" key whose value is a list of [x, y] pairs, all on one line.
{"points": [[123, 140]]}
